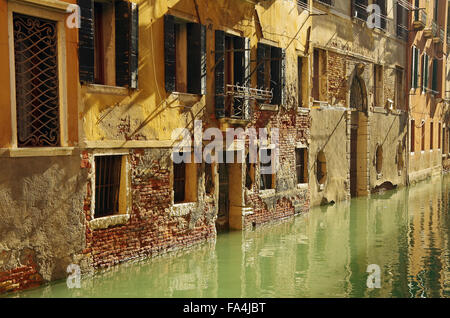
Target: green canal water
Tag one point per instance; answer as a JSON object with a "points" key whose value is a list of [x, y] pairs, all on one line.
{"points": [[323, 254]]}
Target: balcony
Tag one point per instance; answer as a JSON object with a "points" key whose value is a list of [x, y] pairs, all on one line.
{"points": [[441, 36], [420, 20], [431, 31]]}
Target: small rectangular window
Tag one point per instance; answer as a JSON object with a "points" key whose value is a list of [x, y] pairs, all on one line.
{"points": [[179, 182], [267, 179], [399, 89], [185, 178], [108, 172], [319, 89], [439, 135], [431, 136], [378, 84], [301, 165], [423, 137]]}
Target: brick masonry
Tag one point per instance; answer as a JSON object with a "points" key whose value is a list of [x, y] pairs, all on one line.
{"points": [[151, 230], [286, 199]]}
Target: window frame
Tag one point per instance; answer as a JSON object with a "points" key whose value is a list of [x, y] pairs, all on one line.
{"points": [[59, 17], [124, 174]]}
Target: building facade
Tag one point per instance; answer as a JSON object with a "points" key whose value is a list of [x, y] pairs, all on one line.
{"points": [[109, 122]]}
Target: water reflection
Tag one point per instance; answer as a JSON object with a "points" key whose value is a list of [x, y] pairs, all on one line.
{"points": [[322, 254]]}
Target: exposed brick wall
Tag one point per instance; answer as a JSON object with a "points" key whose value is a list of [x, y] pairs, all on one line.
{"points": [[337, 79], [151, 229], [286, 200], [21, 278]]}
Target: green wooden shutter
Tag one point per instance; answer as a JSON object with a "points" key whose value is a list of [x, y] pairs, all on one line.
{"points": [[196, 58], [86, 41], [169, 53], [435, 75], [426, 71], [127, 28], [219, 73]]}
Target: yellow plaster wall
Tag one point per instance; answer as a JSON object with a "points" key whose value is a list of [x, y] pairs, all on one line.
{"points": [[149, 113]]}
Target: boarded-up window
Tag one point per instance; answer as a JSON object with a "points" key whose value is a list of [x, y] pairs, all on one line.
{"points": [[37, 86], [184, 56], [108, 171], [301, 165]]}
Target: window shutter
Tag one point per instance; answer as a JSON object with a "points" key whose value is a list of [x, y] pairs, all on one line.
{"points": [[423, 72], [196, 59], [247, 82], [426, 71], [169, 53], [415, 71], [239, 60], [275, 75], [220, 73], [261, 71], [435, 77], [86, 41], [127, 28], [283, 77]]}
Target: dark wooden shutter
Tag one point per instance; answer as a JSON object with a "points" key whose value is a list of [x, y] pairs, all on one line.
{"points": [[283, 77], [239, 60], [219, 72], [196, 57], [434, 81], [169, 53], [127, 28], [261, 70], [275, 75], [86, 41]]}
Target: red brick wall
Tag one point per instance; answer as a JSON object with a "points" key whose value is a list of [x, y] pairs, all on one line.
{"points": [[20, 278], [151, 230], [287, 200]]}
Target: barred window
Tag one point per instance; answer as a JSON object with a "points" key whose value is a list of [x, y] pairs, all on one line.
{"points": [[36, 71], [108, 171]]}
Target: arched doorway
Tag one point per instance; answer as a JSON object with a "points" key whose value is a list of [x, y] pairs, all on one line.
{"points": [[358, 98], [358, 138]]}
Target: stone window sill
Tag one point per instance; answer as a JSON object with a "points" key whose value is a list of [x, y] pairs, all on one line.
{"points": [[266, 193], [108, 221], [268, 107], [303, 110], [37, 152], [107, 90], [302, 186], [182, 209], [186, 98]]}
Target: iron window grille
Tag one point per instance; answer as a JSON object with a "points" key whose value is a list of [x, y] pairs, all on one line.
{"points": [[107, 185], [37, 87]]}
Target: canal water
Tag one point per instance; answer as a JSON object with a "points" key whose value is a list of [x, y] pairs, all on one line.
{"points": [[404, 233]]}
